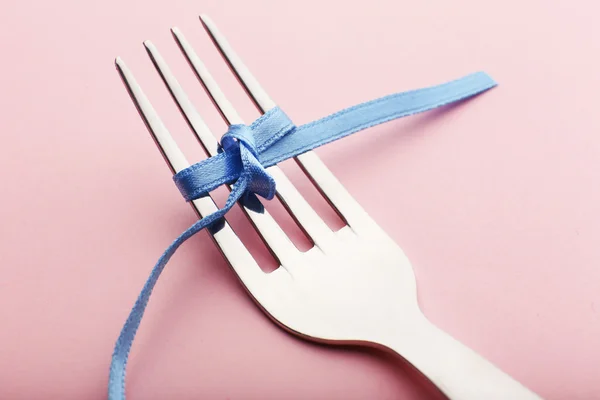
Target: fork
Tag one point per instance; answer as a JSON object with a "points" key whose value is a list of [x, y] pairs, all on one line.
{"points": [[355, 286]]}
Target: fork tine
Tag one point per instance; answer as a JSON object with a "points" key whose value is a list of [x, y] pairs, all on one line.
{"points": [[233, 249], [262, 101], [229, 114], [329, 186], [169, 149], [192, 116], [299, 208], [272, 234]]}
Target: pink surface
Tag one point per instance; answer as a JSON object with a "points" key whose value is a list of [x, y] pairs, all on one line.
{"points": [[496, 201]]}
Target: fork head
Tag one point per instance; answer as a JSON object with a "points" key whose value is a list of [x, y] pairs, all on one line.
{"points": [[350, 282]]}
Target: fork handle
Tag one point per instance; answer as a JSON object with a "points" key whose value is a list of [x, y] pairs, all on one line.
{"points": [[457, 371]]}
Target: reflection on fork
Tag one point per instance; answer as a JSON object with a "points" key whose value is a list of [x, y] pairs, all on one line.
{"points": [[355, 286]]}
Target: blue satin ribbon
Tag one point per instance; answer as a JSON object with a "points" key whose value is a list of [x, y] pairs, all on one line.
{"points": [[245, 153]]}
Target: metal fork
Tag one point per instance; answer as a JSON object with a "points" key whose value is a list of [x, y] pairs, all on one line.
{"points": [[355, 286]]}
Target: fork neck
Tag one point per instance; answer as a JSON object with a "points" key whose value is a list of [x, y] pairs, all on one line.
{"points": [[458, 371]]}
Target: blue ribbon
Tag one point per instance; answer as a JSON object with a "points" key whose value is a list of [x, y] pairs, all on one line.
{"points": [[245, 153]]}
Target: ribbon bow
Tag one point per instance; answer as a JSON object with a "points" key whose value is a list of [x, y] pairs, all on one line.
{"points": [[246, 152]]}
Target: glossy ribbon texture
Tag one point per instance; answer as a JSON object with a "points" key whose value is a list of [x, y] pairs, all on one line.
{"points": [[245, 153]]}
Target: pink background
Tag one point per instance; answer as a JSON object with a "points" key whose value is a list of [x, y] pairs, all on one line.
{"points": [[496, 202]]}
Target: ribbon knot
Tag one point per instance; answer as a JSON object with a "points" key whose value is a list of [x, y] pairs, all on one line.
{"points": [[254, 175]]}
